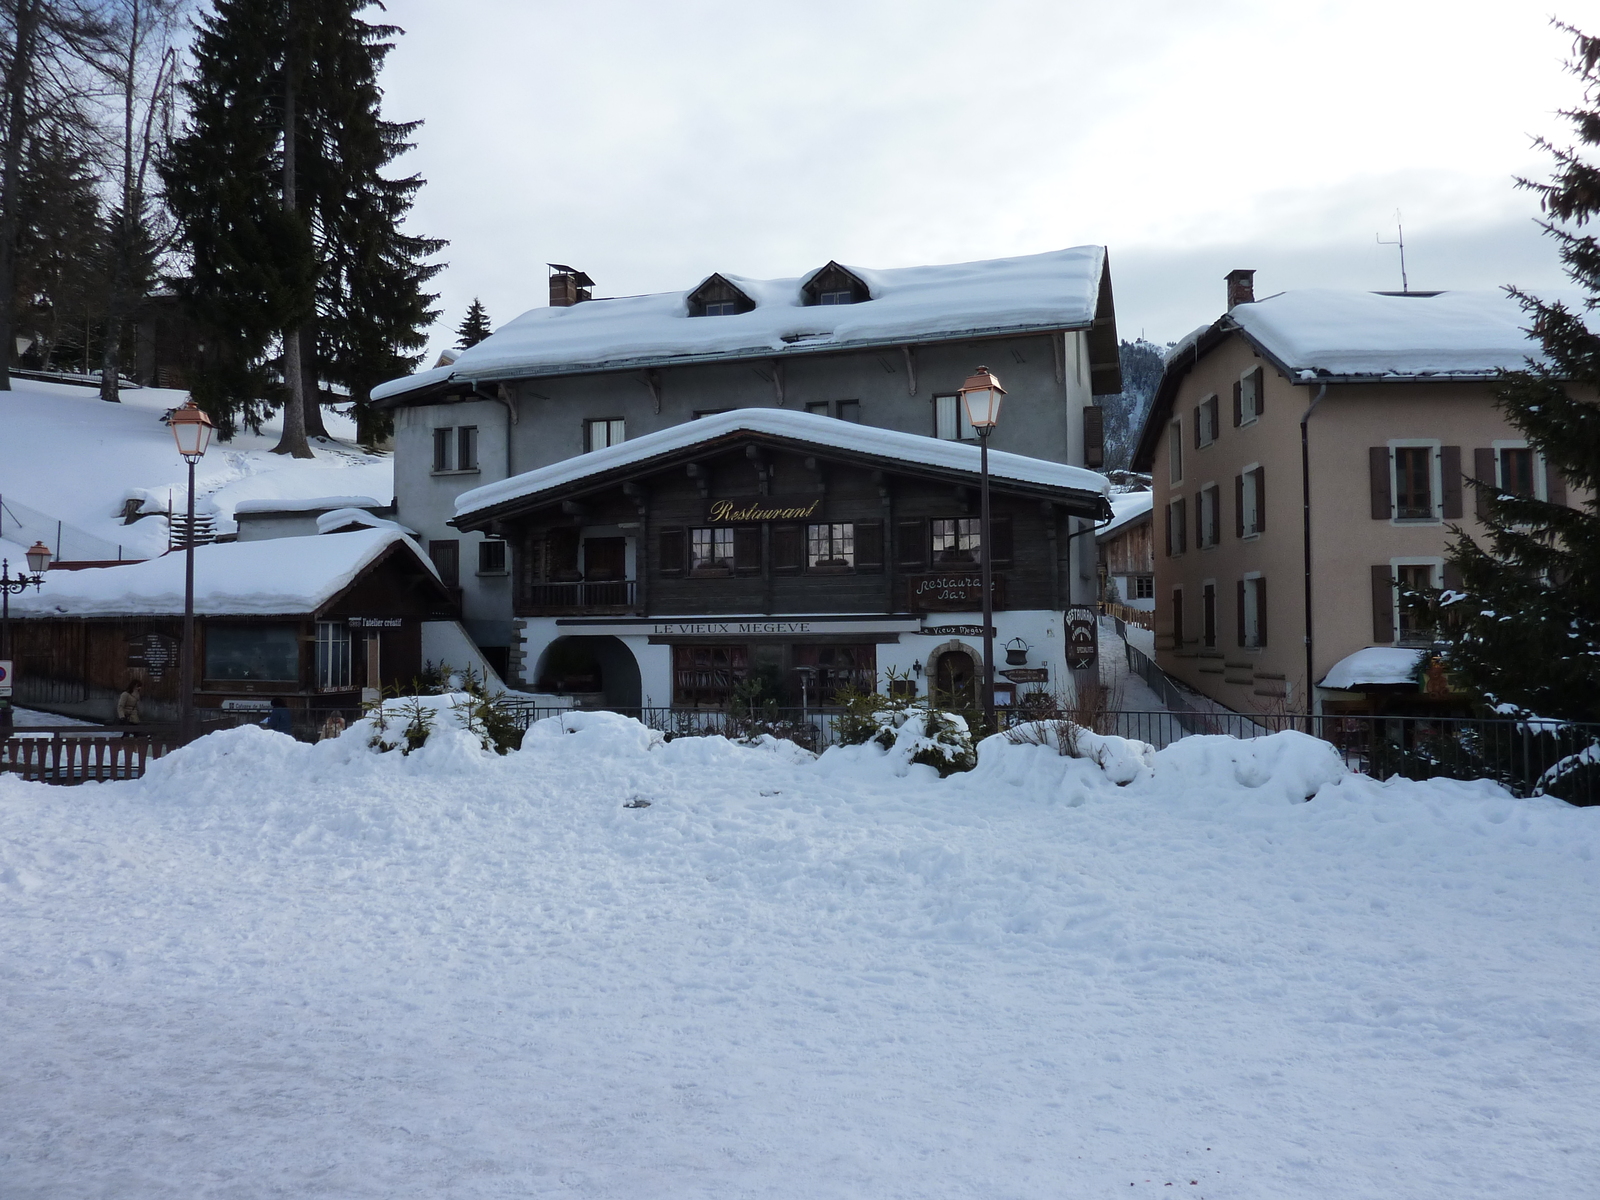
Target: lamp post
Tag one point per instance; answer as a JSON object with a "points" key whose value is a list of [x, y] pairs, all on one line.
{"points": [[191, 429], [38, 560], [981, 394]]}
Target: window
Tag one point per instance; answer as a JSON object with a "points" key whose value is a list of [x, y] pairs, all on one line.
{"points": [[1250, 494], [1177, 527], [1249, 396], [830, 547], [1208, 599], [1515, 470], [711, 551], [722, 308], [707, 412], [1207, 517], [1413, 607], [950, 420], [705, 676], [491, 558], [1175, 450], [833, 668], [253, 652], [603, 432], [455, 449], [835, 298], [1144, 587], [844, 410], [333, 655], [1205, 422], [1413, 483], [1253, 611], [446, 556], [957, 540]]}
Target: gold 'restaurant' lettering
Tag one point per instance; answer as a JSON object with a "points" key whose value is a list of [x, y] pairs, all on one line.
{"points": [[731, 512]]}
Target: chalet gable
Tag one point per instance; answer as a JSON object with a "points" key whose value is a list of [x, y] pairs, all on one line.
{"points": [[718, 297], [834, 284]]}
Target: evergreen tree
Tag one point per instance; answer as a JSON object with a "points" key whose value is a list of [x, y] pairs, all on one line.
{"points": [[1124, 412], [474, 327], [320, 267], [1524, 629]]}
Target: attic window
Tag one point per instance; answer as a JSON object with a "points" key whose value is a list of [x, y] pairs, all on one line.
{"points": [[835, 285], [716, 297]]}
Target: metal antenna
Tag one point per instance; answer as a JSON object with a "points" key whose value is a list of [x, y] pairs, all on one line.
{"points": [[1400, 241]]}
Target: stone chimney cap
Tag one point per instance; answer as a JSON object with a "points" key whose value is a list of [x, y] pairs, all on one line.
{"points": [[1241, 286]]}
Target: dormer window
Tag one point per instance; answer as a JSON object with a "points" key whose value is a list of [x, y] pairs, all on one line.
{"points": [[834, 285], [717, 297]]}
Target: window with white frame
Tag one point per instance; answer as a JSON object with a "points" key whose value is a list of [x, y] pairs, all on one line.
{"points": [[950, 420], [1415, 480], [603, 432], [1144, 587], [455, 449], [1251, 495], [1250, 385], [1414, 578], [1253, 596], [1206, 427], [333, 655], [1175, 450], [1517, 469], [1207, 517]]}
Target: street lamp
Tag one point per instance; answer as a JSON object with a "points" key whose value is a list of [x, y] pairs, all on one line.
{"points": [[981, 394], [191, 429], [38, 560]]}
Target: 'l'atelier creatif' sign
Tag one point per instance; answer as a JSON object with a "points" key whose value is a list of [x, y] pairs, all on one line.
{"points": [[763, 508]]}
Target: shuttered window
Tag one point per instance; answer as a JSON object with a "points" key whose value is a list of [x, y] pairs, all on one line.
{"points": [[671, 546], [788, 549], [869, 545], [747, 549], [911, 545]]}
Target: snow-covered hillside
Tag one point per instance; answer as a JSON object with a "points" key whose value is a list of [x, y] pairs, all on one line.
{"points": [[603, 966], [67, 456]]}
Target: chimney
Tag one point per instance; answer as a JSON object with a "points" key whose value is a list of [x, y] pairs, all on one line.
{"points": [[568, 286], [1241, 287]]}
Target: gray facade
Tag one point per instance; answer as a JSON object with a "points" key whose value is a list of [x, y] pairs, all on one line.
{"points": [[529, 423]]}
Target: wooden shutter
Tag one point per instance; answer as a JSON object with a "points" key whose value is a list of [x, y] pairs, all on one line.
{"points": [[747, 549], [1240, 609], [1261, 612], [1450, 469], [1168, 524], [1000, 536], [1197, 427], [1199, 520], [1382, 603], [1180, 522], [1261, 499], [671, 549], [1238, 506], [1452, 578], [1378, 473], [788, 549], [869, 545], [1555, 487], [1177, 619], [911, 545], [1238, 403], [1260, 376], [1094, 436], [1483, 471]]}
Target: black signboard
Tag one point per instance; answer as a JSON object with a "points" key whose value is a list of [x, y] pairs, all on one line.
{"points": [[755, 509], [950, 592], [154, 652], [1028, 674], [1083, 638]]}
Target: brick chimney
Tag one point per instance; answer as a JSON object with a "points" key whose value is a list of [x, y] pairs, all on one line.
{"points": [[568, 286], [1241, 287]]}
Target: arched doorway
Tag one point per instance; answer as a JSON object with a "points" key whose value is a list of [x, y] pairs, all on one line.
{"points": [[591, 666], [953, 675]]}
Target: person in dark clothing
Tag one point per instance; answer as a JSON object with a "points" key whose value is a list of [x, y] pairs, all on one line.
{"points": [[280, 718]]}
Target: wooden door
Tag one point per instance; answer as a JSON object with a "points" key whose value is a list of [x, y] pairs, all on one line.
{"points": [[955, 680], [605, 559]]}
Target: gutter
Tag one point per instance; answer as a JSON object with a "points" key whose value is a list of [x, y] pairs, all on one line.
{"points": [[1305, 521]]}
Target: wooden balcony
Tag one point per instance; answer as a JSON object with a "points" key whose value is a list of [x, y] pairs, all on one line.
{"points": [[593, 598]]}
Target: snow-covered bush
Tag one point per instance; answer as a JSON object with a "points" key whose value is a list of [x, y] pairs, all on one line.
{"points": [[923, 734], [1122, 759], [404, 723]]}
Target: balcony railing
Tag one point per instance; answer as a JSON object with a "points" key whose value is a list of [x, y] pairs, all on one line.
{"points": [[604, 596]]}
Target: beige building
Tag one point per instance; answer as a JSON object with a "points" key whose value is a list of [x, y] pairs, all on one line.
{"points": [[1310, 454]]}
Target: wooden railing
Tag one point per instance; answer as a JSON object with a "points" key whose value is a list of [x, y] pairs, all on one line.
{"points": [[56, 754], [1143, 618], [606, 596]]}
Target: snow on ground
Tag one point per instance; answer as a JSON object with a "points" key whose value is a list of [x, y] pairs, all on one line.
{"points": [[23, 717], [66, 455], [603, 966]]}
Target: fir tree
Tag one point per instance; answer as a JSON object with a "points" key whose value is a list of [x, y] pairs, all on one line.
{"points": [[474, 327], [1524, 629]]}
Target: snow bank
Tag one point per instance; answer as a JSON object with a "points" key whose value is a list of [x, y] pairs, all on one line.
{"points": [[1056, 290], [610, 965]]}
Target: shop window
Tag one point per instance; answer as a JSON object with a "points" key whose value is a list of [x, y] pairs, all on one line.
{"points": [[711, 551], [831, 547], [251, 653], [705, 676], [832, 669], [333, 655]]}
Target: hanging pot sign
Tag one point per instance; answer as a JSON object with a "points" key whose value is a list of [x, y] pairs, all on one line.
{"points": [[1083, 638]]}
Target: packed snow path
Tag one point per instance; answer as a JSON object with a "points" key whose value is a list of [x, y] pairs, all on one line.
{"points": [[272, 969]]}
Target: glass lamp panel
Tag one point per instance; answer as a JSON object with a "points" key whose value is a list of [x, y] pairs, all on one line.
{"points": [[38, 557]]}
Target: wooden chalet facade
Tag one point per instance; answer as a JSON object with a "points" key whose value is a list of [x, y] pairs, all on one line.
{"points": [[790, 546], [86, 635]]}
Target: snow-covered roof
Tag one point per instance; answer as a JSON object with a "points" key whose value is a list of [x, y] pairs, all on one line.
{"points": [[1128, 507], [339, 518], [310, 504], [266, 578], [1056, 290], [801, 426], [1374, 665], [1320, 332]]}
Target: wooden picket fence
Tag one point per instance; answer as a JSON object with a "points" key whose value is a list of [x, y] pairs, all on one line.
{"points": [[75, 754]]}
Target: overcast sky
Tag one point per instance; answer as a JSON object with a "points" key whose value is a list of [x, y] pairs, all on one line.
{"points": [[650, 143]]}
